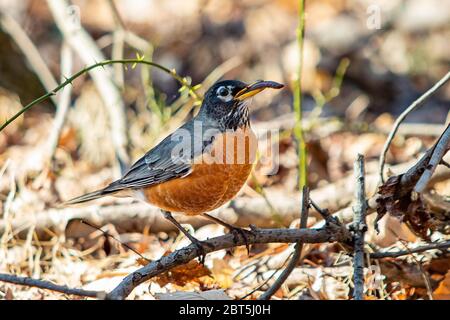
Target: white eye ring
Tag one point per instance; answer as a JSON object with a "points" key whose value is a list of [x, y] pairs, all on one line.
{"points": [[224, 93]]}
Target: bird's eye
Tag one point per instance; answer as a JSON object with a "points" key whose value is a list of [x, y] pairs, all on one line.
{"points": [[223, 92]]}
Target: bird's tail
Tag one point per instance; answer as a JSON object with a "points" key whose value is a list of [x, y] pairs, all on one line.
{"points": [[88, 197]]}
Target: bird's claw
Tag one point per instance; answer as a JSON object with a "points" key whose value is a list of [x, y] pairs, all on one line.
{"points": [[239, 232], [201, 252]]}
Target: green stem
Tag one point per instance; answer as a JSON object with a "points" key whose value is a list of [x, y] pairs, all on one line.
{"points": [[298, 131], [181, 80]]}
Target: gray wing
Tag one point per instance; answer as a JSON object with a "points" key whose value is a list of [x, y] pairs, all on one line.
{"points": [[170, 159]]}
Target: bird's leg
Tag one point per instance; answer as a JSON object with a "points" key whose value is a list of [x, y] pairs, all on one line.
{"points": [[199, 244], [234, 230]]}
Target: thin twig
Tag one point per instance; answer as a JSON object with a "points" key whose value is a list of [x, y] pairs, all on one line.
{"points": [[268, 279], [30, 282], [446, 164], [425, 275], [360, 227], [417, 103], [297, 251], [331, 233], [435, 246], [323, 212], [298, 130], [106, 234], [46, 96]]}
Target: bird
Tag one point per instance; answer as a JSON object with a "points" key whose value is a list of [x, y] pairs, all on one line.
{"points": [[201, 165]]}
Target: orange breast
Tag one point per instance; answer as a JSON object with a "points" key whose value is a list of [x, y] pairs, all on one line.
{"points": [[216, 177]]}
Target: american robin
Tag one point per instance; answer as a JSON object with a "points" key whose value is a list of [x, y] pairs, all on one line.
{"points": [[201, 165]]}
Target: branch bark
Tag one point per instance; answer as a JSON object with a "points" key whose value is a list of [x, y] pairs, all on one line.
{"points": [[434, 246], [360, 227]]}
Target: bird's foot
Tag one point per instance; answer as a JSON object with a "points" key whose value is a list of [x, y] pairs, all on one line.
{"points": [[245, 234], [200, 247]]}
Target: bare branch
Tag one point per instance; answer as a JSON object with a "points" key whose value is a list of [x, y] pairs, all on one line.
{"points": [[26, 281], [402, 117], [331, 233], [360, 227], [325, 213], [434, 246]]}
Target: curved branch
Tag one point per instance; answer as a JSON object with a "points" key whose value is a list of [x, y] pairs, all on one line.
{"points": [[417, 103], [443, 246], [359, 227], [42, 284]]}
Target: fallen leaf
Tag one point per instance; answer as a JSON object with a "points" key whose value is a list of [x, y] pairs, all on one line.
{"points": [[396, 200], [181, 275], [443, 290]]}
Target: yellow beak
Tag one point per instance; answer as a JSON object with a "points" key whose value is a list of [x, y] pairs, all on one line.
{"points": [[256, 88]]}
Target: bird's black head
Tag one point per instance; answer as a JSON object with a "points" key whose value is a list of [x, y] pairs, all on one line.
{"points": [[227, 102]]}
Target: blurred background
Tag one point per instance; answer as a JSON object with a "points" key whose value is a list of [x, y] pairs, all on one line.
{"points": [[364, 62]]}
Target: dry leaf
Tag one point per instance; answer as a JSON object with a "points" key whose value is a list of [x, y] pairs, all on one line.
{"points": [[443, 290], [181, 275], [396, 200]]}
